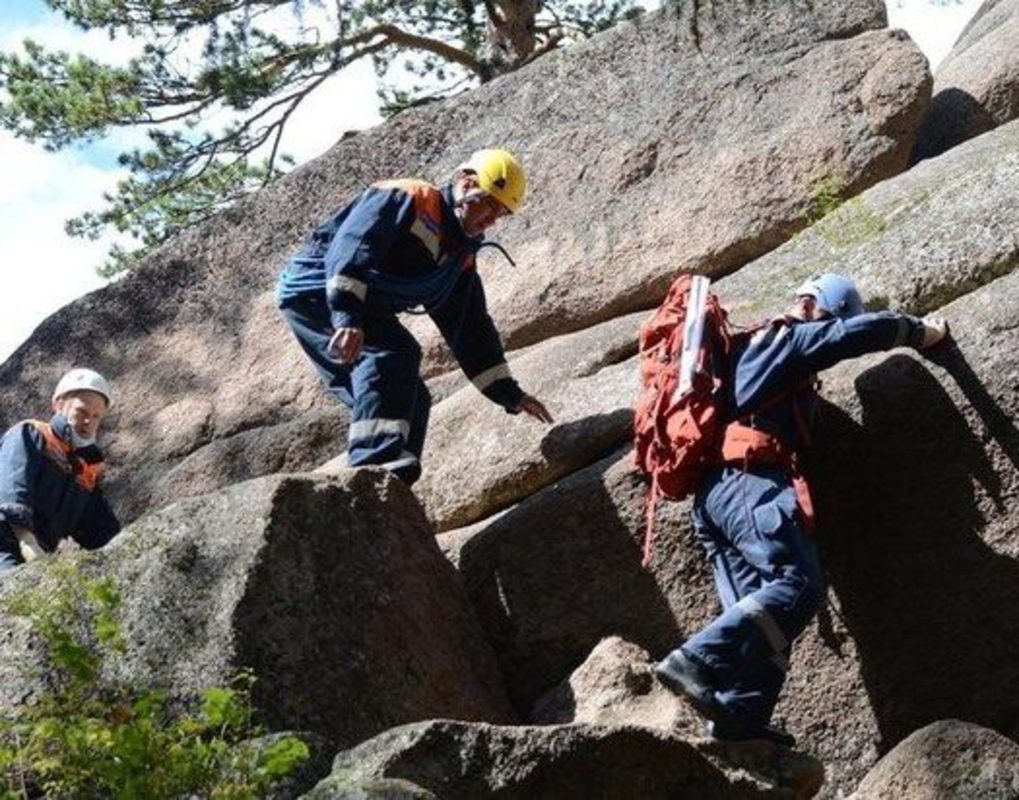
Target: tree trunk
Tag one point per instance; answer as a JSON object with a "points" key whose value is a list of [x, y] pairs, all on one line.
{"points": [[510, 34]]}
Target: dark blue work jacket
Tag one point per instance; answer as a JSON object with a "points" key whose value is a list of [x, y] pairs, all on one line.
{"points": [[52, 489], [396, 247]]}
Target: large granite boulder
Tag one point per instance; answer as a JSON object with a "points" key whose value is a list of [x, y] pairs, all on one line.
{"points": [[717, 126], [616, 686], [947, 759], [331, 591], [976, 87], [297, 445], [912, 243], [457, 760]]}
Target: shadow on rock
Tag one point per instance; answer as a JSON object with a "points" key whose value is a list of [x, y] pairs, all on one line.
{"points": [[553, 576], [953, 117], [906, 499], [590, 438]]}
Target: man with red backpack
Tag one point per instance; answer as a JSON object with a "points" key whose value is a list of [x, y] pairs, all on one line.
{"points": [[751, 517]]}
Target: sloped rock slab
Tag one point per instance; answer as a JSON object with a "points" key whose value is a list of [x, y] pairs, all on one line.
{"points": [[463, 760], [976, 87], [947, 759], [295, 446], [330, 590], [912, 243], [479, 459], [711, 153]]}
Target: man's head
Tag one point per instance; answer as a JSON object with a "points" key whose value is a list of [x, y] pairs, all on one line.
{"points": [[827, 295], [489, 185], [82, 396]]}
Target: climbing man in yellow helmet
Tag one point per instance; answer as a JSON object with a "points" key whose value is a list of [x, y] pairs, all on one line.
{"points": [[403, 245]]}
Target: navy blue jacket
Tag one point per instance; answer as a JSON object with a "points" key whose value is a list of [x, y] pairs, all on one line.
{"points": [[775, 367], [43, 489], [399, 246]]}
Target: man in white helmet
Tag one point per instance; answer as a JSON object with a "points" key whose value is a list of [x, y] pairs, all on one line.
{"points": [[51, 474], [400, 246]]}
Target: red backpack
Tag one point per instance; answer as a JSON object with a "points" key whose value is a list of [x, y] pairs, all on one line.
{"points": [[684, 352]]}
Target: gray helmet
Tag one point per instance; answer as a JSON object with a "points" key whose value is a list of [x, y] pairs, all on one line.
{"points": [[835, 294], [81, 379]]}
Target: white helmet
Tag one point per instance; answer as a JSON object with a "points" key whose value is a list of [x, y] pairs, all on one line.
{"points": [[81, 379]]}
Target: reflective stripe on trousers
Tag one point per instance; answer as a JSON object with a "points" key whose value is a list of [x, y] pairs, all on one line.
{"points": [[768, 578]]}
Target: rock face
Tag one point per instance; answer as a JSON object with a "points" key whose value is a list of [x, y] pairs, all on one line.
{"points": [[294, 446], [457, 760], [976, 88], [331, 590], [912, 243], [947, 759], [711, 152], [615, 686], [478, 460]]}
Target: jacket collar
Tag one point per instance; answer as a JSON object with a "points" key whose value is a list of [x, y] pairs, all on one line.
{"points": [[451, 221]]}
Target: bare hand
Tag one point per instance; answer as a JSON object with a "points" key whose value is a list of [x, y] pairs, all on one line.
{"points": [[534, 407], [934, 330], [346, 344], [28, 544]]}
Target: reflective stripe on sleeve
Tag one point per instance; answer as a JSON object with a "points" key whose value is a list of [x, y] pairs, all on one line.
{"points": [[485, 379], [344, 283]]}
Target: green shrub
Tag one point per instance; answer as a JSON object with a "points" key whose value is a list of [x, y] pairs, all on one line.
{"points": [[90, 737]]}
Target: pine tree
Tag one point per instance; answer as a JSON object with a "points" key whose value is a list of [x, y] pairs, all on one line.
{"points": [[250, 72]]}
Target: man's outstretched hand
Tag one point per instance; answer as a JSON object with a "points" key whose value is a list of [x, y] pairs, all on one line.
{"points": [[534, 407], [935, 329], [346, 344]]}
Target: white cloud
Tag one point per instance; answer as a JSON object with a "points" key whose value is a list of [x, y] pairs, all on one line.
{"points": [[57, 34], [42, 267]]}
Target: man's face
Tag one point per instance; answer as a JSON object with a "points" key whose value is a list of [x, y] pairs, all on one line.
{"points": [[478, 211], [806, 309], [84, 410]]}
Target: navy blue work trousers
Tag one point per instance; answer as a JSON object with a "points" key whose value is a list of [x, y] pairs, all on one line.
{"points": [[769, 581], [389, 402]]}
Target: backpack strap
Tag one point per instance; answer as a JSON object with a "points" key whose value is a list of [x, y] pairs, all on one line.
{"points": [[748, 446], [653, 493]]}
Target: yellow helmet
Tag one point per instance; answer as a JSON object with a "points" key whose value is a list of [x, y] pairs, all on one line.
{"points": [[500, 174]]}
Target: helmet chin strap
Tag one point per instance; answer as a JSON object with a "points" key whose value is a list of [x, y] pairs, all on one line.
{"points": [[463, 199]]}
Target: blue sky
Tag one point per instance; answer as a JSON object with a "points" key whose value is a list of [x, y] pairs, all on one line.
{"points": [[44, 269]]}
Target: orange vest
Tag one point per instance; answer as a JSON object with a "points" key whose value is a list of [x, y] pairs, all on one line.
{"points": [[87, 476]]}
